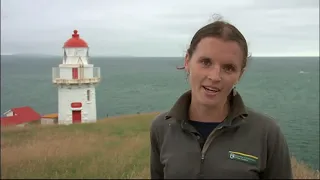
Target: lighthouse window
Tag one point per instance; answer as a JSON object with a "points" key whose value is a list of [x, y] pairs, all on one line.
{"points": [[88, 95], [64, 57]]}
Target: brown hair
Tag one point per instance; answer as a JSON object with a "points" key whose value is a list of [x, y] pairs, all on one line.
{"points": [[220, 29]]}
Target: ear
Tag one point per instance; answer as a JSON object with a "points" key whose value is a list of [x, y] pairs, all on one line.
{"points": [[186, 62]]}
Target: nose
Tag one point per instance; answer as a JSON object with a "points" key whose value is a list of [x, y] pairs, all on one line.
{"points": [[215, 74]]}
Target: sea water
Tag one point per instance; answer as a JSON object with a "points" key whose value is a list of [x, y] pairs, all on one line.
{"points": [[286, 88]]}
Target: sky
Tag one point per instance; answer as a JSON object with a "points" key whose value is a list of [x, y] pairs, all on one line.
{"points": [[157, 27]]}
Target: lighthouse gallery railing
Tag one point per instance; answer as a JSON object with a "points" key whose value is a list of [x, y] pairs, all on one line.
{"points": [[83, 75]]}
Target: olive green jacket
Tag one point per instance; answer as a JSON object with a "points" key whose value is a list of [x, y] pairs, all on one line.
{"points": [[247, 144]]}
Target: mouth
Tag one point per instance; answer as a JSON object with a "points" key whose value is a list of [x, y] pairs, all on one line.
{"points": [[211, 90]]}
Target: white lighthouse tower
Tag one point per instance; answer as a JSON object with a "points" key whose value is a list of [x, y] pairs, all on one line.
{"points": [[76, 80]]}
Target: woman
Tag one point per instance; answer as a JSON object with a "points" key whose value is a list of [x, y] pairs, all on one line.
{"points": [[209, 132]]}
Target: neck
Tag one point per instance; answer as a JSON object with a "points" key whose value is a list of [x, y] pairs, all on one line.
{"points": [[198, 112]]}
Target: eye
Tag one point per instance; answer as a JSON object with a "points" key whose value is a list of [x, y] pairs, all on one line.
{"points": [[229, 68], [206, 62]]}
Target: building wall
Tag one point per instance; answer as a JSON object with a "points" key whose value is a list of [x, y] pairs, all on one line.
{"points": [[22, 125], [8, 113], [70, 94], [47, 121]]}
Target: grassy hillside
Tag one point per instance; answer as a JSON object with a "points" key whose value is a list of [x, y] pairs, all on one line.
{"points": [[117, 147]]}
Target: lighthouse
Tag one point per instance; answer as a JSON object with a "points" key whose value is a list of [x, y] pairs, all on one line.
{"points": [[76, 80]]}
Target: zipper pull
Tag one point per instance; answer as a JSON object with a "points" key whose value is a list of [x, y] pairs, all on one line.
{"points": [[202, 158]]}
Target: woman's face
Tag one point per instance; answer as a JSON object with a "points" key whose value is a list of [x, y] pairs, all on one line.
{"points": [[214, 68]]}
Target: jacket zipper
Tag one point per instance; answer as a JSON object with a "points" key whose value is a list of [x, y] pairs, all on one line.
{"points": [[202, 161], [202, 157], [204, 150]]}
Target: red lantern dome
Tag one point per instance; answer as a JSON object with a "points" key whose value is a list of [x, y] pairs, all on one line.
{"points": [[75, 41]]}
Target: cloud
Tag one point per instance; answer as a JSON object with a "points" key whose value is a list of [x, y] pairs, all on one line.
{"points": [[156, 28]]}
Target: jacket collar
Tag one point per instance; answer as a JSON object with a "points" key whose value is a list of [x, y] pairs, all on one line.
{"points": [[180, 109]]}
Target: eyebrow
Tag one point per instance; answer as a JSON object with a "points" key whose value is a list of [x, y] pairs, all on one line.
{"points": [[230, 62], [204, 57]]}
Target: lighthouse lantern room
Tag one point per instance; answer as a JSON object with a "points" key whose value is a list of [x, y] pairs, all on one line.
{"points": [[76, 80]]}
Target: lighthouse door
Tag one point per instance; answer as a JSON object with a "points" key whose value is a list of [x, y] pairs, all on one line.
{"points": [[74, 73], [76, 116]]}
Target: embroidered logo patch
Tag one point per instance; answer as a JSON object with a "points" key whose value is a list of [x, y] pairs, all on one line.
{"points": [[243, 157]]}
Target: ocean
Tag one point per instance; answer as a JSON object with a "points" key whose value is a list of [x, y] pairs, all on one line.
{"points": [[286, 88]]}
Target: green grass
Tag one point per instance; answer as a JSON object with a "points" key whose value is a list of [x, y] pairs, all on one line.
{"points": [[116, 147]]}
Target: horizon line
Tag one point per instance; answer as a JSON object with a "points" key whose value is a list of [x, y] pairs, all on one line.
{"points": [[132, 56]]}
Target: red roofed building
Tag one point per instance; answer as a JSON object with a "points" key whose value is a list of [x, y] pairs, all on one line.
{"points": [[75, 41], [20, 115]]}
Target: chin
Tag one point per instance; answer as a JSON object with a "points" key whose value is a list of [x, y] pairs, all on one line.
{"points": [[210, 102]]}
